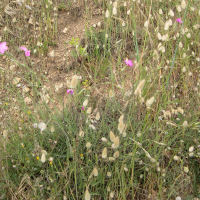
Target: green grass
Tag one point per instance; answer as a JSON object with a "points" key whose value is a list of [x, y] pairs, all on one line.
{"points": [[156, 147]]}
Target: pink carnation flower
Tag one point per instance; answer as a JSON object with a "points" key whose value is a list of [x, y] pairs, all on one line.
{"points": [[3, 47], [129, 63], [179, 20], [70, 91], [27, 52], [23, 48]]}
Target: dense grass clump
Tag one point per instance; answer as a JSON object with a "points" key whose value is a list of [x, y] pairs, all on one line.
{"points": [[122, 123]]}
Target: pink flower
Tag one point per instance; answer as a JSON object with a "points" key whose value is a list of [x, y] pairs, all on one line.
{"points": [[82, 108], [23, 48], [27, 52], [179, 20], [3, 47], [70, 91], [129, 63]]}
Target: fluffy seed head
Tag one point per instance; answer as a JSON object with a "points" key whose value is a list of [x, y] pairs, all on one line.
{"points": [[153, 160], [158, 169], [97, 116], [140, 86], [184, 69], [159, 36], [121, 118], [85, 103], [88, 145], [165, 37], [155, 54], [87, 194], [115, 4], [111, 159], [114, 10], [180, 110], [81, 133], [111, 195], [112, 136], [167, 114], [74, 81], [111, 94], [161, 48], [89, 110], [42, 126], [178, 8], [191, 149], [166, 26], [146, 24], [176, 158], [116, 142], [52, 129], [104, 153], [124, 134], [183, 4], [109, 174], [107, 14], [171, 13], [95, 171], [149, 102], [185, 124], [116, 154], [186, 170], [43, 157], [125, 169], [170, 22], [188, 35], [139, 134], [121, 127], [51, 159], [103, 139], [191, 154], [160, 11]]}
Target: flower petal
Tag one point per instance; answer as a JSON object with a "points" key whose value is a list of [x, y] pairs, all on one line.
{"points": [[3, 47], [179, 20], [23, 48], [27, 53], [70, 91], [129, 63]]}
